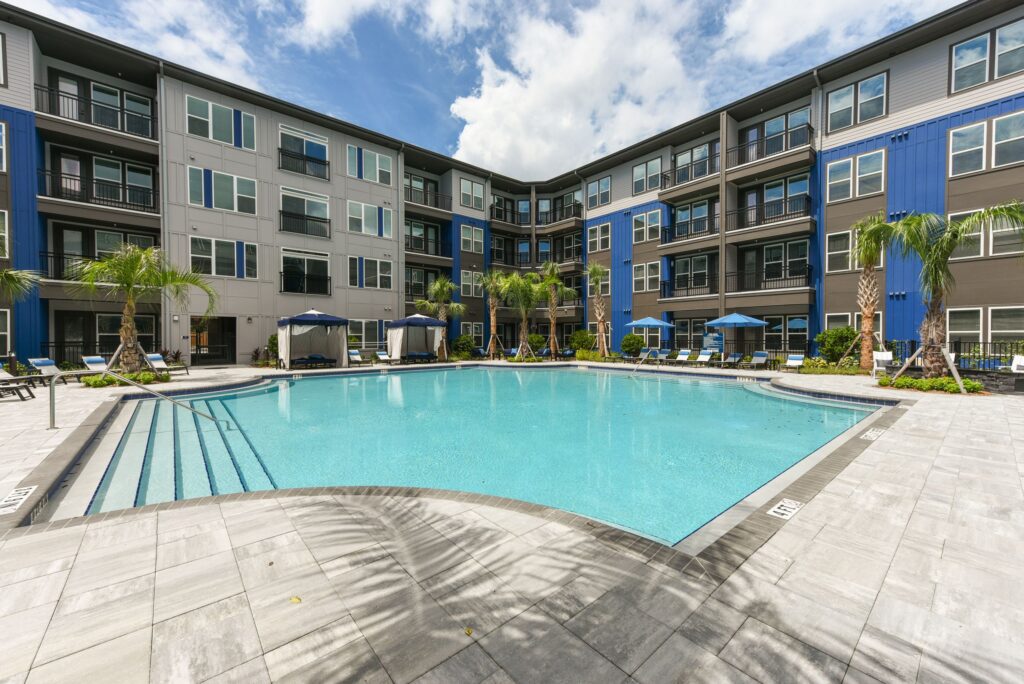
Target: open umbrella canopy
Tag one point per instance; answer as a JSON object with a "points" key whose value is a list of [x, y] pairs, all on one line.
{"points": [[416, 321], [736, 320], [313, 317], [649, 323]]}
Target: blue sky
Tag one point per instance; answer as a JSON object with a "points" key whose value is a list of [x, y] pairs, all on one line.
{"points": [[529, 88]]}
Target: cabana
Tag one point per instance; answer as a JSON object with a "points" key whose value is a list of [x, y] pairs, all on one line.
{"points": [[416, 338], [322, 339]]}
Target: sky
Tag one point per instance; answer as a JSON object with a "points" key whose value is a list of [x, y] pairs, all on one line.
{"points": [[529, 89]]}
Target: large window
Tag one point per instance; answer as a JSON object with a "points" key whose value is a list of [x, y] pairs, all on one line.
{"points": [[599, 238], [1008, 140], [870, 173], [858, 102], [5, 332], [230, 193], [376, 168], [1006, 324], [695, 162], [216, 122], [646, 277], [210, 256], [471, 194], [377, 274], [606, 287], [472, 284], [857, 317], [472, 239], [365, 334], [599, 192], [108, 332], [1005, 239], [646, 226], [970, 63], [837, 320], [1002, 239], [109, 242], [972, 246], [369, 219], [305, 212], [305, 153], [993, 54], [305, 272], [967, 149], [5, 246], [476, 331], [837, 252], [647, 176], [869, 180], [963, 325], [840, 180]]}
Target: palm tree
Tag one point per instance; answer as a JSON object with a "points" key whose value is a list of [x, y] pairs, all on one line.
{"points": [[596, 275], [439, 305], [492, 283], [554, 291], [934, 239], [133, 273], [522, 292], [15, 285], [873, 236]]}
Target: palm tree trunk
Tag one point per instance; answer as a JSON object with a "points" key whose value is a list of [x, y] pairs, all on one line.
{"points": [[442, 350], [130, 360], [867, 299], [933, 336], [524, 335], [553, 321], [602, 336], [492, 345]]}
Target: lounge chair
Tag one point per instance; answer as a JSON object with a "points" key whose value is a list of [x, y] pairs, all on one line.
{"points": [[157, 363], [29, 380], [22, 390], [880, 361], [661, 355], [567, 353], [421, 357], [704, 358], [354, 357], [731, 360], [478, 353], [95, 363], [512, 351], [683, 356], [47, 368], [793, 362], [758, 360], [1017, 365], [383, 357], [544, 353]]}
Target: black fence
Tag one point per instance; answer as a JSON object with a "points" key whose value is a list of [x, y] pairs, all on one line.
{"points": [[767, 213], [968, 355], [769, 278], [516, 218], [77, 189], [574, 210], [300, 283], [703, 226], [690, 172], [296, 162], [428, 198], [135, 119], [769, 146], [421, 245], [57, 266], [693, 287], [72, 352], [305, 225]]}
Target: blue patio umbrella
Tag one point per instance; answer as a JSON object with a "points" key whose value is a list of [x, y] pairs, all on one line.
{"points": [[735, 320], [649, 323]]}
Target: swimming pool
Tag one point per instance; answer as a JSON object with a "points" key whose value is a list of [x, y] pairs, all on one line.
{"points": [[655, 453]]}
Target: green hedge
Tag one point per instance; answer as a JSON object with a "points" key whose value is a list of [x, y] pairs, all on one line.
{"points": [[143, 378], [943, 384]]}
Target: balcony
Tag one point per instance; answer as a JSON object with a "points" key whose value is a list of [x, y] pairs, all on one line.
{"points": [[697, 286], [85, 110], [772, 277], [777, 217], [301, 283], [59, 266], [302, 224], [702, 227], [571, 303], [415, 245], [572, 211], [514, 218], [775, 154], [428, 198], [62, 186], [690, 179], [296, 162]]}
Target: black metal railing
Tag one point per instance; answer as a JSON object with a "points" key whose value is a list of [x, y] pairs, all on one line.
{"points": [[516, 218], [690, 228], [694, 286], [85, 110], [771, 277], [505, 258], [104, 193], [690, 172], [422, 245], [767, 213], [208, 354], [428, 198], [569, 256], [969, 355], [305, 225], [302, 283], [769, 146], [523, 260], [72, 352], [567, 303], [296, 162], [574, 210], [59, 266]]}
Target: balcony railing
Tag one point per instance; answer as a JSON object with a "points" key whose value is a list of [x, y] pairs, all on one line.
{"points": [[690, 172], [694, 286], [60, 266], [72, 352], [516, 218], [574, 210], [305, 225], [772, 277], [428, 198], [770, 146], [104, 193], [421, 245], [301, 283], [775, 211], [570, 303], [85, 110], [523, 260], [689, 229], [296, 162]]}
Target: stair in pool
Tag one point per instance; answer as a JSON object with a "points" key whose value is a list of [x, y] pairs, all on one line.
{"points": [[167, 453]]}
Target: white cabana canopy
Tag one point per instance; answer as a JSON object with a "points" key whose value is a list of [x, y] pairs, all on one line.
{"points": [[312, 329], [414, 335]]}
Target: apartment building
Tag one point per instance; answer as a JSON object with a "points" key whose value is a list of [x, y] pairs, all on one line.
{"points": [[746, 208]]}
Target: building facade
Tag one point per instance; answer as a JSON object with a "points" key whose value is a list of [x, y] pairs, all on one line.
{"points": [[747, 208]]}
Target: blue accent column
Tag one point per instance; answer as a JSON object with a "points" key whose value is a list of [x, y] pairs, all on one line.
{"points": [[359, 161], [208, 188], [238, 127], [362, 272], [380, 222], [239, 259]]}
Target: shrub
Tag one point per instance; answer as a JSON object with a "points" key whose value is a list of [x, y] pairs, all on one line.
{"points": [[272, 346], [97, 380], [632, 344], [463, 344], [943, 384], [848, 362], [459, 356], [537, 342], [833, 343], [525, 359], [587, 355], [582, 340], [143, 378]]}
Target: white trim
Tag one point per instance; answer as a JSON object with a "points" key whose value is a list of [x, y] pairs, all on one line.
{"points": [[857, 174], [850, 180], [952, 62], [845, 315], [998, 308], [5, 238], [880, 330], [597, 228], [981, 321], [984, 148], [209, 123], [234, 255], [992, 230], [995, 144], [884, 96], [981, 235], [303, 195], [391, 274], [849, 252], [995, 49]]}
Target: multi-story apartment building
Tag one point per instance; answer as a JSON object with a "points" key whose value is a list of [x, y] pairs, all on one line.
{"points": [[746, 208]]}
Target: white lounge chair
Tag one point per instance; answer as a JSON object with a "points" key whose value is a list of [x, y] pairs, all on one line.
{"points": [[1017, 365], [95, 363], [793, 362], [661, 355], [757, 360], [48, 368], [683, 356], [880, 361], [354, 357], [157, 363], [731, 360], [704, 358], [383, 357]]}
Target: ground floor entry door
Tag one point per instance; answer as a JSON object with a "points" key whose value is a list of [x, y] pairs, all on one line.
{"points": [[212, 340]]}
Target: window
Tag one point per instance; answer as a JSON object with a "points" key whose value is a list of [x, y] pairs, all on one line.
{"points": [[870, 173], [970, 63], [305, 272], [867, 97], [1010, 49], [352, 161], [606, 287], [639, 277], [963, 325], [108, 335], [472, 239], [1008, 140], [377, 274], [653, 276], [695, 163], [599, 238], [472, 284], [365, 332], [376, 168], [106, 178], [109, 242], [305, 153], [833, 321], [840, 183], [837, 252], [1002, 48], [3, 145], [5, 331], [471, 194], [972, 245], [300, 203], [353, 271], [877, 324], [3, 60], [646, 226], [646, 277], [497, 249], [1005, 324], [599, 192], [215, 257], [216, 122], [967, 149], [1005, 239], [476, 331], [647, 176], [5, 247], [230, 193], [369, 219]]}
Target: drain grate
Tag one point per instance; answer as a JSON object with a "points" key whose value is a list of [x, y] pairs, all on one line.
{"points": [[785, 509], [12, 502], [872, 434]]}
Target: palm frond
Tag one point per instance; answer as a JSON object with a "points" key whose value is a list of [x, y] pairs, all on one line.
{"points": [[17, 284]]}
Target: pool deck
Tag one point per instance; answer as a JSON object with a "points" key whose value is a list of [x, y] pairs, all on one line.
{"points": [[906, 566]]}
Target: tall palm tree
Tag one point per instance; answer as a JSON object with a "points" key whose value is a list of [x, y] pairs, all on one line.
{"points": [[934, 239], [133, 273], [492, 283], [873, 236], [15, 284], [522, 292], [554, 291], [439, 305], [596, 275]]}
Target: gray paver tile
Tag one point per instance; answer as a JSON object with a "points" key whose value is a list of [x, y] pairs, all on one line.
{"points": [[251, 672], [280, 618], [484, 603], [248, 527], [104, 536], [617, 630], [22, 633], [424, 552], [469, 666], [191, 585], [336, 652], [272, 558], [124, 659], [102, 567], [712, 625], [207, 542], [885, 657], [572, 598], [15, 598], [681, 660], [767, 654]]}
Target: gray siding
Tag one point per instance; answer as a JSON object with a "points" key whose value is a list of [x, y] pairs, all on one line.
{"points": [[19, 48]]}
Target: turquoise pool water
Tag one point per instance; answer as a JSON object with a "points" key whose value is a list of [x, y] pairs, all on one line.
{"points": [[661, 455]]}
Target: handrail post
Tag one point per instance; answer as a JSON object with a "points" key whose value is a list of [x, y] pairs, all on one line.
{"points": [[53, 401]]}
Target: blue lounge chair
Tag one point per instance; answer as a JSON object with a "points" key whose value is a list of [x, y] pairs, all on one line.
{"points": [[47, 368], [512, 351], [95, 363], [354, 357], [478, 353], [704, 358], [731, 360], [793, 362], [758, 360], [661, 355], [682, 357], [544, 353], [567, 353], [157, 363], [421, 357]]}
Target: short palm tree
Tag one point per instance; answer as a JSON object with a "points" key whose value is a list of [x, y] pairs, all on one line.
{"points": [[873, 236], [133, 273], [16, 284], [439, 305], [522, 292], [554, 292], [492, 283], [596, 275]]}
